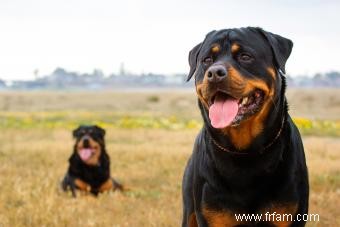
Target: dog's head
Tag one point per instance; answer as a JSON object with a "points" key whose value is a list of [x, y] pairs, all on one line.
{"points": [[237, 76], [90, 144]]}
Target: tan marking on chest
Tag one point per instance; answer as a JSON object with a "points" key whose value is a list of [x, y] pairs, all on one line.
{"points": [[220, 218], [280, 215]]}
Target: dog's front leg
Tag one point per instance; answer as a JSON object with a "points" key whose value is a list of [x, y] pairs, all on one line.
{"points": [[69, 182]]}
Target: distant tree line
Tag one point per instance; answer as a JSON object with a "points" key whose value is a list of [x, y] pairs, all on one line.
{"points": [[329, 79], [62, 79]]}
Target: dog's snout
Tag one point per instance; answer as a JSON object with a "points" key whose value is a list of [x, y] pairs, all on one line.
{"points": [[86, 142], [216, 74]]}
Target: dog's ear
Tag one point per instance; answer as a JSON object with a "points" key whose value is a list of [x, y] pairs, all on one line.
{"points": [[76, 132], [193, 54], [101, 132], [281, 47]]}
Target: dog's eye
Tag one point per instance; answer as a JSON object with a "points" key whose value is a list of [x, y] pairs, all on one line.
{"points": [[245, 57], [208, 60]]}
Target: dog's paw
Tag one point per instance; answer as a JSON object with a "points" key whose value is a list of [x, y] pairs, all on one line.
{"points": [[68, 183]]}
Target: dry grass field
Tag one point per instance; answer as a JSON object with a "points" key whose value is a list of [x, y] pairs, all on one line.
{"points": [[148, 160]]}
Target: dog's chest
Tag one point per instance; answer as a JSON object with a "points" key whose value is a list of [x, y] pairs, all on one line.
{"points": [[275, 214], [222, 209]]}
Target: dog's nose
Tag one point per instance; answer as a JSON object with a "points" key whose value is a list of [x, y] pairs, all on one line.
{"points": [[86, 143], [216, 74]]}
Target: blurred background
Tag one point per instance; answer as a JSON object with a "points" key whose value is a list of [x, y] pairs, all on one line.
{"points": [[122, 65]]}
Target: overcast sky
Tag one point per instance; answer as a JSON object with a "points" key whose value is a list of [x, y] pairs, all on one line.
{"points": [[154, 35]]}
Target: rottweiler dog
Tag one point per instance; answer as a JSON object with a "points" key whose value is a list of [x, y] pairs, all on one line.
{"points": [[89, 164], [248, 158]]}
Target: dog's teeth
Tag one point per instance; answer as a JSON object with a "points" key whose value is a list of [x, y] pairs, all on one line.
{"points": [[244, 100]]}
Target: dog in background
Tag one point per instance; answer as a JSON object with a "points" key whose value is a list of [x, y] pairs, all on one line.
{"points": [[89, 164]]}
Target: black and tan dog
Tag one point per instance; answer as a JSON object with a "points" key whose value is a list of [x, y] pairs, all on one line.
{"points": [[248, 158], [89, 164]]}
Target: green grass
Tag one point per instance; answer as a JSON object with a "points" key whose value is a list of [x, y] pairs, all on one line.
{"points": [[70, 120]]}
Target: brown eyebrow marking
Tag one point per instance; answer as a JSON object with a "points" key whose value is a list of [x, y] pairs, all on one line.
{"points": [[215, 48], [234, 48]]}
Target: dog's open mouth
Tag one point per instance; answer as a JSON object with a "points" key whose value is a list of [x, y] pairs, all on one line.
{"points": [[226, 110], [86, 153]]}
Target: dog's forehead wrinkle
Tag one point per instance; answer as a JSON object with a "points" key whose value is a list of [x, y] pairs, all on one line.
{"points": [[245, 34], [245, 37], [218, 37]]}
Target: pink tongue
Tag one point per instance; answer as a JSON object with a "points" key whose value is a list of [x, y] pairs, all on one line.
{"points": [[85, 154], [223, 112]]}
